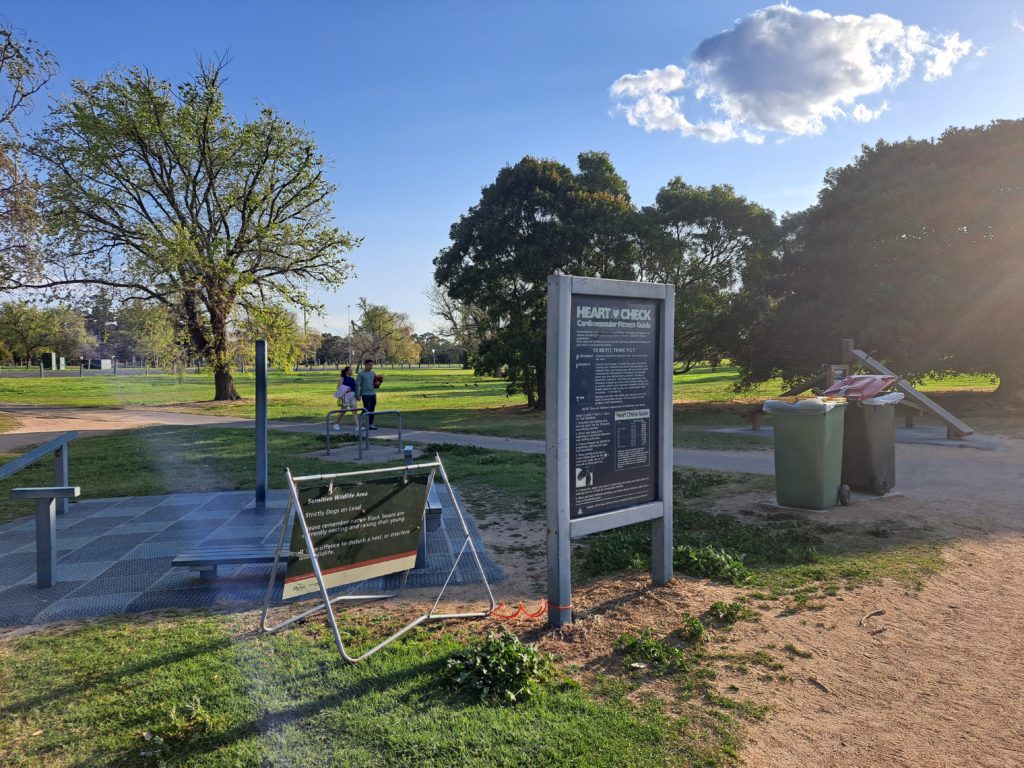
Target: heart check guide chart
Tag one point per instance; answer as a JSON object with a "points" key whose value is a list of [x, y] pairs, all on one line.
{"points": [[614, 403]]}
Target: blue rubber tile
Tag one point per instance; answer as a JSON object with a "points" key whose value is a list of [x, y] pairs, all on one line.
{"points": [[100, 507], [203, 597], [12, 540], [169, 514], [105, 548], [79, 527], [164, 549], [83, 572], [71, 543], [21, 603], [17, 566], [148, 566], [134, 526], [27, 523], [116, 586], [86, 607]]}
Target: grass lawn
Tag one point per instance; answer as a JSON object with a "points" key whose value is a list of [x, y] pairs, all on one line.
{"points": [[194, 691], [206, 690], [429, 398]]}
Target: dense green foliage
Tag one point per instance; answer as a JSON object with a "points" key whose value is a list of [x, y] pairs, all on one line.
{"points": [[26, 330], [538, 218], [913, 250], [501, 668], [705, 241]]}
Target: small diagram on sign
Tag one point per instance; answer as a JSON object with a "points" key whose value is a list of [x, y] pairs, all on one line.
{"points": [[584, 477]]}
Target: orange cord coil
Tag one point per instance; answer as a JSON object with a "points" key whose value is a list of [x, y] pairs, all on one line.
{"points": [[521, 610]]}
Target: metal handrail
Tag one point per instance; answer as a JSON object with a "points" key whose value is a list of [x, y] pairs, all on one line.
{"points": [[327, 423], [40, 451], [364, 430]]}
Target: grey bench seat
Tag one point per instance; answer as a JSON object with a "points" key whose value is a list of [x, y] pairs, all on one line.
{"points": [[206, 559]]}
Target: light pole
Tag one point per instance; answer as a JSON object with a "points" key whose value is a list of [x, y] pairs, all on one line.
{"points": [[434, 353]]}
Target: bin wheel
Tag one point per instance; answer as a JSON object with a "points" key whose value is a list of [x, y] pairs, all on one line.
{"points": [[880, 486], [844, 495]]}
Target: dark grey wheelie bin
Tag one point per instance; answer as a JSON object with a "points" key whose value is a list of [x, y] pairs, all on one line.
{"points": [[869, 444]]}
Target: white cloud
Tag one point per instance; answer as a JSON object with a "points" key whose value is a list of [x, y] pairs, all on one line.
{"points": [[785, 71], [1016, 23], [941, 64], [862, 114]]}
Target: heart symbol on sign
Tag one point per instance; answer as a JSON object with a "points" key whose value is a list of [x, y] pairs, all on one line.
{"points": [[615, 314]]}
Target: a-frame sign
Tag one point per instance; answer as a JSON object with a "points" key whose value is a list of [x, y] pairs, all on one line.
{"points": [[349, 527]]}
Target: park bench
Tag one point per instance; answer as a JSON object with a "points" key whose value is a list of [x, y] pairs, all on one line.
{"points": [[206, 559]]}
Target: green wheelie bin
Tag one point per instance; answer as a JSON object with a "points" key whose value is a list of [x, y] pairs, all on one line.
{"points": [[809, 452], [869, 443]]}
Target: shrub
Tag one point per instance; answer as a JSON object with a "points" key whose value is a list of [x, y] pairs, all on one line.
{"points": [[644, 651], [728, 613], [500, 669], [710, 563], [693, 629]]}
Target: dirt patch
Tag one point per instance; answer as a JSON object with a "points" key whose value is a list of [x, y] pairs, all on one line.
{"points": [[935, 680]]}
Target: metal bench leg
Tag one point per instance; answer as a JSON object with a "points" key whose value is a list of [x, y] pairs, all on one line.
{"points": [[46, 542], [207, 573]]}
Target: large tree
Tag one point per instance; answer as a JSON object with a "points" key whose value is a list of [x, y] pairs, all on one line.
{"points": [[383, 334], [159, 192], [25, 68], [27, 329], [704, 241], [916, 251], [537, 218], [150, 330]]}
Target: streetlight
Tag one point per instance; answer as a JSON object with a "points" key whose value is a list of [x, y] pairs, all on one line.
{"points": [[434, 352]]}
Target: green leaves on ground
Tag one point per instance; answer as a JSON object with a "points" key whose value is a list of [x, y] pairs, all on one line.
{"points": [[499, 669]]}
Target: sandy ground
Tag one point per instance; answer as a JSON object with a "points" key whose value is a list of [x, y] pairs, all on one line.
{"points": [[935, 677]]}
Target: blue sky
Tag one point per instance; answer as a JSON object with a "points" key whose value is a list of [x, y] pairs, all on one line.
{"points": [[418, 105]]}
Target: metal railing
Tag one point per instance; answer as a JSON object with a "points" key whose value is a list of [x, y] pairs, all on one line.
{"points": [[327, 423], [364, 432], [50, 501], [58, 447]]}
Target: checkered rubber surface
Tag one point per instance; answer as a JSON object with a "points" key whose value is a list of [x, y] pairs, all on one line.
{"points": [[114, 556]]}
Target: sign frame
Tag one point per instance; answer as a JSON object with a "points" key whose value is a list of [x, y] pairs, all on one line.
{"points": [[562, 527], [294, 507]]}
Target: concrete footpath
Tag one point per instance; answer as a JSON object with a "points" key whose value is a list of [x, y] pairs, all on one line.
{"points": [[986, 467]]}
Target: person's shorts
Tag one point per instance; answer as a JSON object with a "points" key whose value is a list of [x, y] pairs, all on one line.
{"points": [[348, 401]]}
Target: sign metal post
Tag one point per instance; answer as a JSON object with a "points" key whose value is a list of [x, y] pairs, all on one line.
{"points": [[261, 425], [609, 420]]}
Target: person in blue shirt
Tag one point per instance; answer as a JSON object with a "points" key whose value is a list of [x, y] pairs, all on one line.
{"points": [[366, 391], [346, 394]]}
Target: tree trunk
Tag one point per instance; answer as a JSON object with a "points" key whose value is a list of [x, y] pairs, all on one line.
{"points": [[224, 384], [541, 388]]}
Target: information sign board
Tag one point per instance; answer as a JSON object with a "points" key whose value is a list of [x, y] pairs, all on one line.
{"points": [[609, 419], [613, 397], [359, 531]]}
